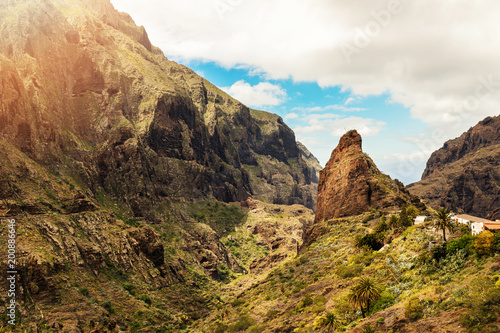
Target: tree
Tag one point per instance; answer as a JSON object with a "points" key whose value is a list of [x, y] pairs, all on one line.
{"points": [[330, 321], [484, 242], [444, 221], [364, 294], [394, 221], [412, 212]]}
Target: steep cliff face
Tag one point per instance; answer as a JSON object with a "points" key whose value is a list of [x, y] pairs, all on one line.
{"points": [[83, 85], [464, 174], [351, 184], [106, 146]]}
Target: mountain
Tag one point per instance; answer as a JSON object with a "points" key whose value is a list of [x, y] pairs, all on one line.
{"points": [[120, 166], [351, 184], [85, 89], [464, 175]]}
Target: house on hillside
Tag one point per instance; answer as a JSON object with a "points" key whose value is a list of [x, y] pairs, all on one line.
{"points": [[420, 219], [492, 225], [476, 224]]}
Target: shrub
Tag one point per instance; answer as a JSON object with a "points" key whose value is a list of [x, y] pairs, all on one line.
{"points": [[130, 288], [382, 226], [319, 303], [374, 241], [243, 323], [85, 292], [237, 302], [350, 271], [368, 218], [308, 301], [224, 272], [464, 242], [220, 328], [108, 306], [368, 329], [413, 309], [394, 221], [271, 314], [146, 299], [484, 243], [439, 252], [386, 300]]}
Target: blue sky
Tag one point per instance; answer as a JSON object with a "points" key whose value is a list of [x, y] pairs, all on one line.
{"points": [[408, 75], [305, 104]]}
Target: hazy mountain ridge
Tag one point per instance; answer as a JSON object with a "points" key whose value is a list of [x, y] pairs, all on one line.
{"points": [[464, 174]]}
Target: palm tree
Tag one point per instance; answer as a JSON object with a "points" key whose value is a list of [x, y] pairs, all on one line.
{"points": [[364, 294], [444, 221], [330, 321]]}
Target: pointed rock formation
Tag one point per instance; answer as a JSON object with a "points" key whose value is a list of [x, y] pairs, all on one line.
{"points": [[351, 183]]}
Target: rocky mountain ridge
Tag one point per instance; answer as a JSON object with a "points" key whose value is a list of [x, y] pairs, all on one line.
{"points": [[120, 167], [464, 174], [84, 87]]}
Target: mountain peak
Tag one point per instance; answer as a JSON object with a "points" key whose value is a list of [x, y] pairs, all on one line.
{"points": [[351, 183], [351, 138]]}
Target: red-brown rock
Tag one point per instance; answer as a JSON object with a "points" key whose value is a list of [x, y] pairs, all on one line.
{"points": [[351, 183]]}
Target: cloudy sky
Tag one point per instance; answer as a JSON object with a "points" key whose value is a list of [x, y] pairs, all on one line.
{"points": [[408, 75]]}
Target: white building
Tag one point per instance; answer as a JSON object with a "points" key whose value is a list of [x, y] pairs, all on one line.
{"points": [[476, 224], [419, 219]]}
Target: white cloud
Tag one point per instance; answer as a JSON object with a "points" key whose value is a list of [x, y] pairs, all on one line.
{"points": [[429, 56], [262, 94], [421, 156], [318, 116], [291, 115], [366, 127], [336, 127], [335, 107], [352, 99]]}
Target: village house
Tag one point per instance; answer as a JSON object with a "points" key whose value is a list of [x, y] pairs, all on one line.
{"points": [[476, 224], [420, 219]]}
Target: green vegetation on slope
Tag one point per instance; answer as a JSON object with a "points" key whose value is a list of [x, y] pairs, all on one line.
{"points": [[453, 286]]}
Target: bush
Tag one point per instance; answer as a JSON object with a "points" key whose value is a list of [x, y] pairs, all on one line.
{"points": [[145, 299], [464, 242], [374, 241], [413, 309], [308, 301], [382, 226], [85, 292], [484, 243], [237, 302], [243, 323], [368, 329], [484, 303], [350, 271], [108, 306], [130, 288], [439, 252], [271, 314], [386, 300]]}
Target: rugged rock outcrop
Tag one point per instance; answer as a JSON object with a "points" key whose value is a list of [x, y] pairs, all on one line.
{"points": [[104, 145], [84, 90], [464, 175], [351, 183]]}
